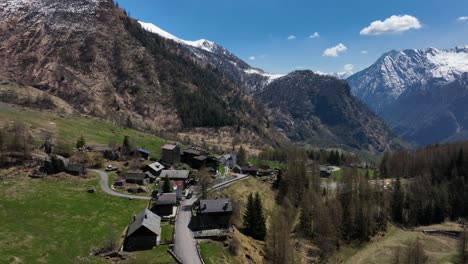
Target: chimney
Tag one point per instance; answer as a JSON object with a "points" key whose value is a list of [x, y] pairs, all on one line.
{"points": [[225, 206], [204, 206], [134, 218], [146, 216]]}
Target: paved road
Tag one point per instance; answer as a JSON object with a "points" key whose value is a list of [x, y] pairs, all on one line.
{"points": [[228, 182], [104, 182], [185, 246]]}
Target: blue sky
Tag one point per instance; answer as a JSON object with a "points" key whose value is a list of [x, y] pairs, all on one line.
{"points": [[260, 28]]}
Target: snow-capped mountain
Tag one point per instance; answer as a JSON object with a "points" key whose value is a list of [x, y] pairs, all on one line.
{"points": [[249, 78], [339, 75], [415, 91]]}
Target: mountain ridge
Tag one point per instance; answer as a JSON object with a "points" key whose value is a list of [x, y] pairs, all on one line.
{"points": [[413, 90]]}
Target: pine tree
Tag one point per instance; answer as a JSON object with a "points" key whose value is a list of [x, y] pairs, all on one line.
{"points": [[167, 185], [80, 143], [259, 224], [397, 202], [126, 144], [249, 216], [242, 156], [463, 247]]}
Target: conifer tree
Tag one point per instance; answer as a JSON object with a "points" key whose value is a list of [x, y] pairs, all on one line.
{"points": [[259, 220], [397, 202], [167, 185], [248, 218], [80, 142]]}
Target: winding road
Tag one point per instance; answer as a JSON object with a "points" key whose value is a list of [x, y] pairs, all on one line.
{"points": [[185, 246], [104, 183]]}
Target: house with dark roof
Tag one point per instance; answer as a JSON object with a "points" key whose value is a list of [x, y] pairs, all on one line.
{"points": [[141, 153], [250, 170], [76, 169], [188, 156], [228, 160], [171, 154], [176, 175], [108, 152], [144, 232], [165, 204], [212, 214], [155, 168], [139, 178]]}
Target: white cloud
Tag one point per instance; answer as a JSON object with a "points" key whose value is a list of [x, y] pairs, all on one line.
{"points": [[364, 51], [334, 51], [462, 18], [393, 24], [252, 58], [348, 67], [291, 37], [315, 35]]}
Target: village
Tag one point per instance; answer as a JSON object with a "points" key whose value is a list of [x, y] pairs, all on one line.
{"points": [[176, 186]]}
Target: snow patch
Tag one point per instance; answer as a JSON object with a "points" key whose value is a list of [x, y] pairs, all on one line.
{"points": [[448, 64], [203, 44]]}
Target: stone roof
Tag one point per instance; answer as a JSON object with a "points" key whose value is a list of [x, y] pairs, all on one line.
{"points": [[175, 174], [147, 219], [215, 206], [169, 146], [156, 166], [135, 176], [75, 167], [167, 199]]}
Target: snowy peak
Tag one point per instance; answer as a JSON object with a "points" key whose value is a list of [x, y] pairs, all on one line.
{"points": [[396, 71], [238, 71], [201, 43]]}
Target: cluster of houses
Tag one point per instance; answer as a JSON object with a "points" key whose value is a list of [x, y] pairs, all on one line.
{"points": [[144, 231], [209, 216]]}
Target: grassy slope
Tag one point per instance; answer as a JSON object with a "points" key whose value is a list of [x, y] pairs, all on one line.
{"points": [[157, 255], [57, 221], [438, 249], [166, 232], [70, 128], [272, 164], [238, 193], [213, 253]]}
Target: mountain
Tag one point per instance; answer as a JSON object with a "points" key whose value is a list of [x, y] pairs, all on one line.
{"points": [[419, 92], [92, 56], [103, 63], [239, 72], [321, 110]]}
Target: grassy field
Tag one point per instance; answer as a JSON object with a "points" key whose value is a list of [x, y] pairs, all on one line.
{"points": [[157, 255], [166, 232], [213, 253], [56, 221], [238, 193], [70, 128], [272, 164], [438, 249], [339, 173]]}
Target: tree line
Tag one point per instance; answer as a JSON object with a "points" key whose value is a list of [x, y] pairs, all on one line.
{"points": [[436, 186]]}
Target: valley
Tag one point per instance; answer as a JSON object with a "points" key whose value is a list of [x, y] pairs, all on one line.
{"points": [[121, 142]]}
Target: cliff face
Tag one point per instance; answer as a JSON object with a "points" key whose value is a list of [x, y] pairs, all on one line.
{"points": [[419, 93], [320, 110]]}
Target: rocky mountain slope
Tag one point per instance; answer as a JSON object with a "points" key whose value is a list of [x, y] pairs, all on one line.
{"points": [[92, 55], [419, 93], [320, 110], [250, 79], [101, 62]]}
